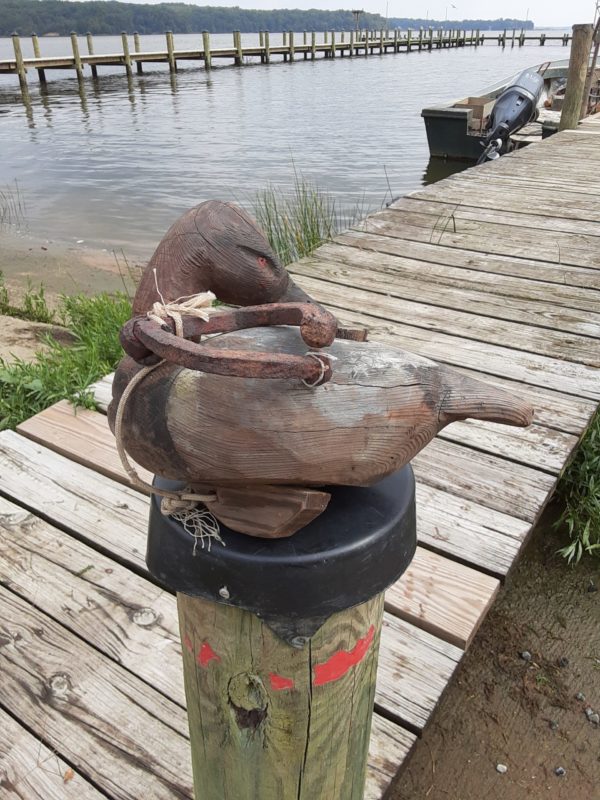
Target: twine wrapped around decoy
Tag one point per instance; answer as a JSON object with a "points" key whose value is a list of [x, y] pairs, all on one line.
{"points": [[261, 419]]}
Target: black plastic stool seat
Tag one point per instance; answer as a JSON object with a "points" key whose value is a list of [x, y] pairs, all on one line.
{"points": [[361, 544]]}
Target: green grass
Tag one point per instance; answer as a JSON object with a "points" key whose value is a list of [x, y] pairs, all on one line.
{"points": [[297, 223], [64, 371], [33, 306], [579, 491]]}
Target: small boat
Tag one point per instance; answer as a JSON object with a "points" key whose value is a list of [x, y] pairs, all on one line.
{"points": [[499, 119]]}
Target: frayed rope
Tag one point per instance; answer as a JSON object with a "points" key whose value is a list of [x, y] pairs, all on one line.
{"points": [[187, 507]]}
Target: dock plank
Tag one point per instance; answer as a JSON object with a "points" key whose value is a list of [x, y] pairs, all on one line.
{"points": [[64, 506], [488, 359], [30, 771], [113, 728], [417, 210], [402, 275], [135, 624], [460, 258], [486, 237]]}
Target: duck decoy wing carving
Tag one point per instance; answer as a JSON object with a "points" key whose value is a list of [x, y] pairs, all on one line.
{"points": [[380, 407]]}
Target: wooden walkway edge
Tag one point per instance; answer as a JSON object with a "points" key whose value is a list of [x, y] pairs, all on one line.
{"points": [[496, 272]]}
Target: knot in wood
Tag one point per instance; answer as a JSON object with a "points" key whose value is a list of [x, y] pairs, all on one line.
{"points": [[248, 700], [144, 617], [59, 686]]}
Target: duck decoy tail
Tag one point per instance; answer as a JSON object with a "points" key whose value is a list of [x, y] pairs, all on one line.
{"points": [[467, 398]]}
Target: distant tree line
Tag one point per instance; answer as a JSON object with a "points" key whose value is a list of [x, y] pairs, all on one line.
{"points": [[111, 17]]}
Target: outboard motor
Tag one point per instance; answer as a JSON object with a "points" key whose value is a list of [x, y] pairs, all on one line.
{"points": [[514, 108]]}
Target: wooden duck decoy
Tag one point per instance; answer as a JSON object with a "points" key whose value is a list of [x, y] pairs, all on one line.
{"points": [[275, 409]]}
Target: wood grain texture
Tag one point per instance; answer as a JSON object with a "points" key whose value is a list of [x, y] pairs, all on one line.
{"points": [[30, 771], [417, 209], [127, 618], [381, 407], [462, 259], [421, 680], [81, 435], [521, 337], [116, 731], [432, 577], [126, 541], [556, 410], [124, 616], [470, 193], [272, 721], [503, 361], [484, 237], [539, 302]]}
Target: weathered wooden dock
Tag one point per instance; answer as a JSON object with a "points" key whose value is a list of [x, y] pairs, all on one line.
{"points": [[495, 271], [328, 44]]}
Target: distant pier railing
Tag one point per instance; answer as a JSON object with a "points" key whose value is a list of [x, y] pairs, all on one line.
{"points": [[293, 46]]}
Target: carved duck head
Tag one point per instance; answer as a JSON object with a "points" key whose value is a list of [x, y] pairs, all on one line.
{"points": [[216, 247]]}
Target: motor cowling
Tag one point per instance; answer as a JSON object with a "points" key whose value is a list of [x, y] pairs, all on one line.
{"points": [[514, 108]]}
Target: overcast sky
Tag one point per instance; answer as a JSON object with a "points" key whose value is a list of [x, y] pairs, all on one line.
{"points": [[542, 12]]}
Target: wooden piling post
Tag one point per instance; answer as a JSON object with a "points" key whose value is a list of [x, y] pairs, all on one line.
{"points": [[351, 49], [206, 50], [305, 43], [239, 54], [171, 52], [126, 55], [267, 48], [90, 49], [478, 39], [542, 39], [591, 71], [291, 51], [332, 49], [76, 56], [261, 712], [430, 42], [137, 48], [408, 39], [37, 53], [521, 38], [578, 66], [381, 46], [21, 71], [313, 45]]}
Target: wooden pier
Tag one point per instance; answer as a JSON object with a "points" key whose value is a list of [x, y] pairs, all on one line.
{"points": [[293, 47], [496, 272]]}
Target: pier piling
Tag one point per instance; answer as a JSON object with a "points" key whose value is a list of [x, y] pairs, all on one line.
{"points": [[76, 56], [90, 47], [21, 72], [37, 53], [206, 48], [126, 54], [578, 65], [138, 49]]}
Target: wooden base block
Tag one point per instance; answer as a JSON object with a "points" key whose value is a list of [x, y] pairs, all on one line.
{"points": [[271, 721]]}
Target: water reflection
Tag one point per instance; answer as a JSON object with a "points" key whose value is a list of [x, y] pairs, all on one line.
{"points": [[439, 168], [140, 150]]}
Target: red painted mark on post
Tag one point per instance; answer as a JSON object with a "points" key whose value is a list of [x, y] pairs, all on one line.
{"points": [[338, 665], [187, 643], [206, 655], [278, 682]]}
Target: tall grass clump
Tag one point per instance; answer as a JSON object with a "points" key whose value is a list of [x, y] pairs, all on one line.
{"points": [[297, 223], [65, 370], [12, 205], [579, 491]]}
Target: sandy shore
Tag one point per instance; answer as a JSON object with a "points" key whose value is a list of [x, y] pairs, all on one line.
{"points": [[65, 268]]}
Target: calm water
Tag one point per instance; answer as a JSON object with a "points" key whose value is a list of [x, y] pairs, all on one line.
{"points": [[115, 164]]}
